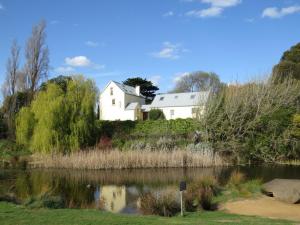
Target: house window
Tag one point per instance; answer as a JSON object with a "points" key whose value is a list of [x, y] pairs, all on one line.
{"points": [[111, 91], [120, 104], [193, 96], [172, 112], [176, 96], [113, 102], [161, 98]]}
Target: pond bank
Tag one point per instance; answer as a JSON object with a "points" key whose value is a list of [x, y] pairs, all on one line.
{"points": [[265, 207]]}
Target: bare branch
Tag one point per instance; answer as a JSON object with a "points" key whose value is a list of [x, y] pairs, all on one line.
{"points": [[37, 60]]}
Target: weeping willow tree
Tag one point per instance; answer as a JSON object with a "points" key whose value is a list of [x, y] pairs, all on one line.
{"points": [[59, 120]]}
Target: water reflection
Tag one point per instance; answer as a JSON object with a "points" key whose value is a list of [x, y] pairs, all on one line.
{"points": [[116, 190]]}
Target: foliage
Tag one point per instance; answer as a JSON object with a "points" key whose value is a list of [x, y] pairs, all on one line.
{"points": [[162, 204], [156, 114], [296, 126], [11, 106], [3, 126], [289, 65], [149, 134], [45, 201], [61, 81], [147, 88], [239, 187], [157, 128], [198, 81], [59, 121], [251, 122], [200, 194], [12, 155]]}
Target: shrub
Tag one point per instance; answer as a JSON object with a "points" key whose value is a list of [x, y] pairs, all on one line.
{"points": [[45, 201], [162, 204], [165, 144], [199, 195], [237, 186], [236, 179], [249, 122], [156, 114]]}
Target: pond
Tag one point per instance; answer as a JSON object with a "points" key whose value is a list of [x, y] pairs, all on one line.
{"points": [[118, 190]]}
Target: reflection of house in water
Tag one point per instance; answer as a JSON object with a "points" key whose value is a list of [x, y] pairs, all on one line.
{"points": [[119, 198]]}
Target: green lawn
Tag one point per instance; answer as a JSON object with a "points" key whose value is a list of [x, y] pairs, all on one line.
{"points": [[18, 215]]}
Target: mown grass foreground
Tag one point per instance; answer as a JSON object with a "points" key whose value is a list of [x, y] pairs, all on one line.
{"points": [[11, 214]]}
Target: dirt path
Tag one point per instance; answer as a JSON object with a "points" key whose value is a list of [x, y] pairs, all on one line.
{"points": [[265, 207]]}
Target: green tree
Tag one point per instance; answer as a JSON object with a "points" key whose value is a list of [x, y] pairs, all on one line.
{"points": [[58, 120], [156, 114], [11, 106], [250, 121], [148, 89], [60, 80], [289, 65]]}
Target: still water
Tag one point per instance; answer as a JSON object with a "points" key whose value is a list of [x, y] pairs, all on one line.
{"points": [[118, 190]]}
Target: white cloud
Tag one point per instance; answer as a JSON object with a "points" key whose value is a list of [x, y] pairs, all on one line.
{"points": [[155, 79], [170, 51], [222, 3], [209, 12], [64, 69], [82, 61], [92, 44], [168, 14], [216, 8], [1, 6], [78, 61], [274, 12]]}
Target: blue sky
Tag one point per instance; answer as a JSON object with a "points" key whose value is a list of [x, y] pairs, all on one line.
{"points": [[157, 39]]}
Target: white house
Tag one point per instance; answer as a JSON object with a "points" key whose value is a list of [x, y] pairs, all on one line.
{"points": [[123, 102], [120, 102], [179, 105]]}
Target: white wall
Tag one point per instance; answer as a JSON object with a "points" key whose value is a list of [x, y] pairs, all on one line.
{"points": [[180, 112], [117, 111]]}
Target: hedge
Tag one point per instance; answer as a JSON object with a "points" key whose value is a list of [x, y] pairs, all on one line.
{"points": [[181, 127]]}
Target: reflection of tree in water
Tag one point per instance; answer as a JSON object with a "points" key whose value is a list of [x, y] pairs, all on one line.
{"points": [[76, 194], [140, 177], [33, 184]]}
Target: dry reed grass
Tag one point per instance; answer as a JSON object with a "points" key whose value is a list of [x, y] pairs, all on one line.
{"points": [[115, 159]]}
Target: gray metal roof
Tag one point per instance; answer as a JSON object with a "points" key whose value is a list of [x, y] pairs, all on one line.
{"points": [[127, 89], [180, 99], [132, 106], [146, 108]]}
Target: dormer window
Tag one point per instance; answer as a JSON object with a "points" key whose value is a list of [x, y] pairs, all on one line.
{"points": [[111, 91], [113, 101], [161, 98]]}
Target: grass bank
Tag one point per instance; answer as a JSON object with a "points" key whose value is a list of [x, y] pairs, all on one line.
{"points": [[115, 159], [11, 214]]}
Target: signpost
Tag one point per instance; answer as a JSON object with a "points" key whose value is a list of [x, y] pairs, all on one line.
{"points": [[182, 187]]}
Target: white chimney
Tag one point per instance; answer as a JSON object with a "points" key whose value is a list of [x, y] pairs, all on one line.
{"points": [[138, 90]]}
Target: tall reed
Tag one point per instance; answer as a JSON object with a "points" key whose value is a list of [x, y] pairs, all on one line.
{"points": [[115, 159]]}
